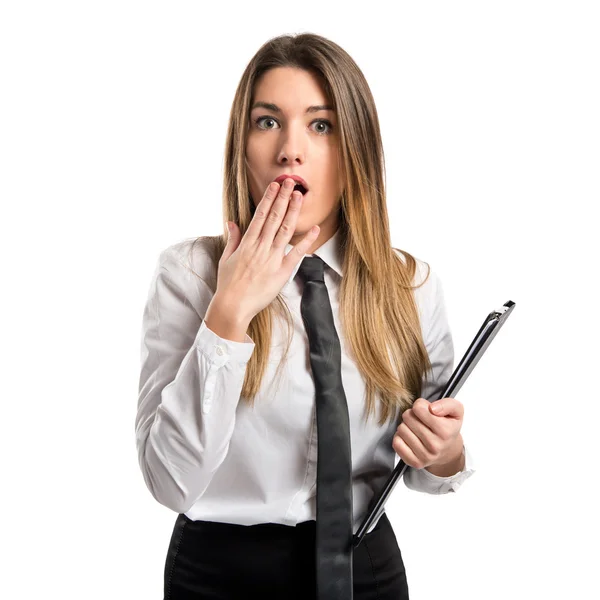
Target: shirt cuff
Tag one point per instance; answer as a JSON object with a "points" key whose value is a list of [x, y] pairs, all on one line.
{"points": [[424, 481], [219, 351]]}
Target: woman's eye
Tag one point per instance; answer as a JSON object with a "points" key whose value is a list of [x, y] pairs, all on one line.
{"points": [[319, 130], [325, 122], [264, 119]]}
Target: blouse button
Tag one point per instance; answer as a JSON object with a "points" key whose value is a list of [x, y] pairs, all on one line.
{"points": [[219, 350]]}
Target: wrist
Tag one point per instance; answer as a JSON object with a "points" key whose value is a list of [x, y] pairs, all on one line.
{"points": [[453, 462], [455, 454], [224, 318]]}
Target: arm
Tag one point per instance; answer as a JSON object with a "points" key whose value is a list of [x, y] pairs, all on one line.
{"points": [[448, 477], [189, 386]]}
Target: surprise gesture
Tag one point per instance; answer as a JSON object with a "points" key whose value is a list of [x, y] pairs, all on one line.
{"points": [[429, 434]]}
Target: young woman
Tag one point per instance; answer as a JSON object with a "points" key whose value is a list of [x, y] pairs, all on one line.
{"points": [[218, 442]]}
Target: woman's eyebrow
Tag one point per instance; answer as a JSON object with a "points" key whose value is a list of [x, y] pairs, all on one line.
{"points": [[275, 108]]}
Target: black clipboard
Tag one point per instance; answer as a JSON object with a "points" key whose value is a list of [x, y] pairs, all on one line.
{"points": [[481, 341]]}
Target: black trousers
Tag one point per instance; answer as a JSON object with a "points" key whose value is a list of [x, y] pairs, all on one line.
{"points": [[208, 561]]}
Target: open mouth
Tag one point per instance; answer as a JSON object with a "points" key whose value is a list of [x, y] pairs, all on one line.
{"points": [[299, 187]]}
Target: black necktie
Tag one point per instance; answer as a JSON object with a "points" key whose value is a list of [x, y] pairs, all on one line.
{"points": [[334, 548]]}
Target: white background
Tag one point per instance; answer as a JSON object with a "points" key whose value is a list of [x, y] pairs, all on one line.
{"points": [[112, 125]]}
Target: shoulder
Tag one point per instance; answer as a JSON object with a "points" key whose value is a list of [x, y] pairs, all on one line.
{"points": [[191, 259], [426, 282], [424, 276]]}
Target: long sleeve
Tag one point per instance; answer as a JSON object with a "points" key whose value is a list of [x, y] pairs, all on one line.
{"points": [[440, 347], [189, 387]]}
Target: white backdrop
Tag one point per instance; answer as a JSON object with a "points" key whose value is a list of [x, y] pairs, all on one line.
{"points": [[112, 128]]}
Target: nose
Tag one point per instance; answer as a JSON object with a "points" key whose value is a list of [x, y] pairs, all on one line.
{"points": [[292, 146]]}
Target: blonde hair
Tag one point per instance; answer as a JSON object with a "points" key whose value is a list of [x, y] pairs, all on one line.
{"points": [[378, 312]]}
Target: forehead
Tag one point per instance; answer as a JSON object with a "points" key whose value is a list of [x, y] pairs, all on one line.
{"points": [[284, 89]]}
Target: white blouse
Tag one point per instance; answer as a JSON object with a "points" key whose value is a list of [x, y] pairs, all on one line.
{"points": [[204, 452]]}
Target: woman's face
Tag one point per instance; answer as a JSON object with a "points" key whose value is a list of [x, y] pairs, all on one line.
{"points": [[285, 138]]}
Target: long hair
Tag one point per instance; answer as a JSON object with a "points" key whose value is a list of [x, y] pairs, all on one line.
{"points": [[378, 312]]}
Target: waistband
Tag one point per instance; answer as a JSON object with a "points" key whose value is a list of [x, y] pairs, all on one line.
{"points": [[260, 529]]}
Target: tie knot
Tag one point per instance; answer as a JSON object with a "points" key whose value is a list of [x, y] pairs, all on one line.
{"points": [[312, 269]]}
